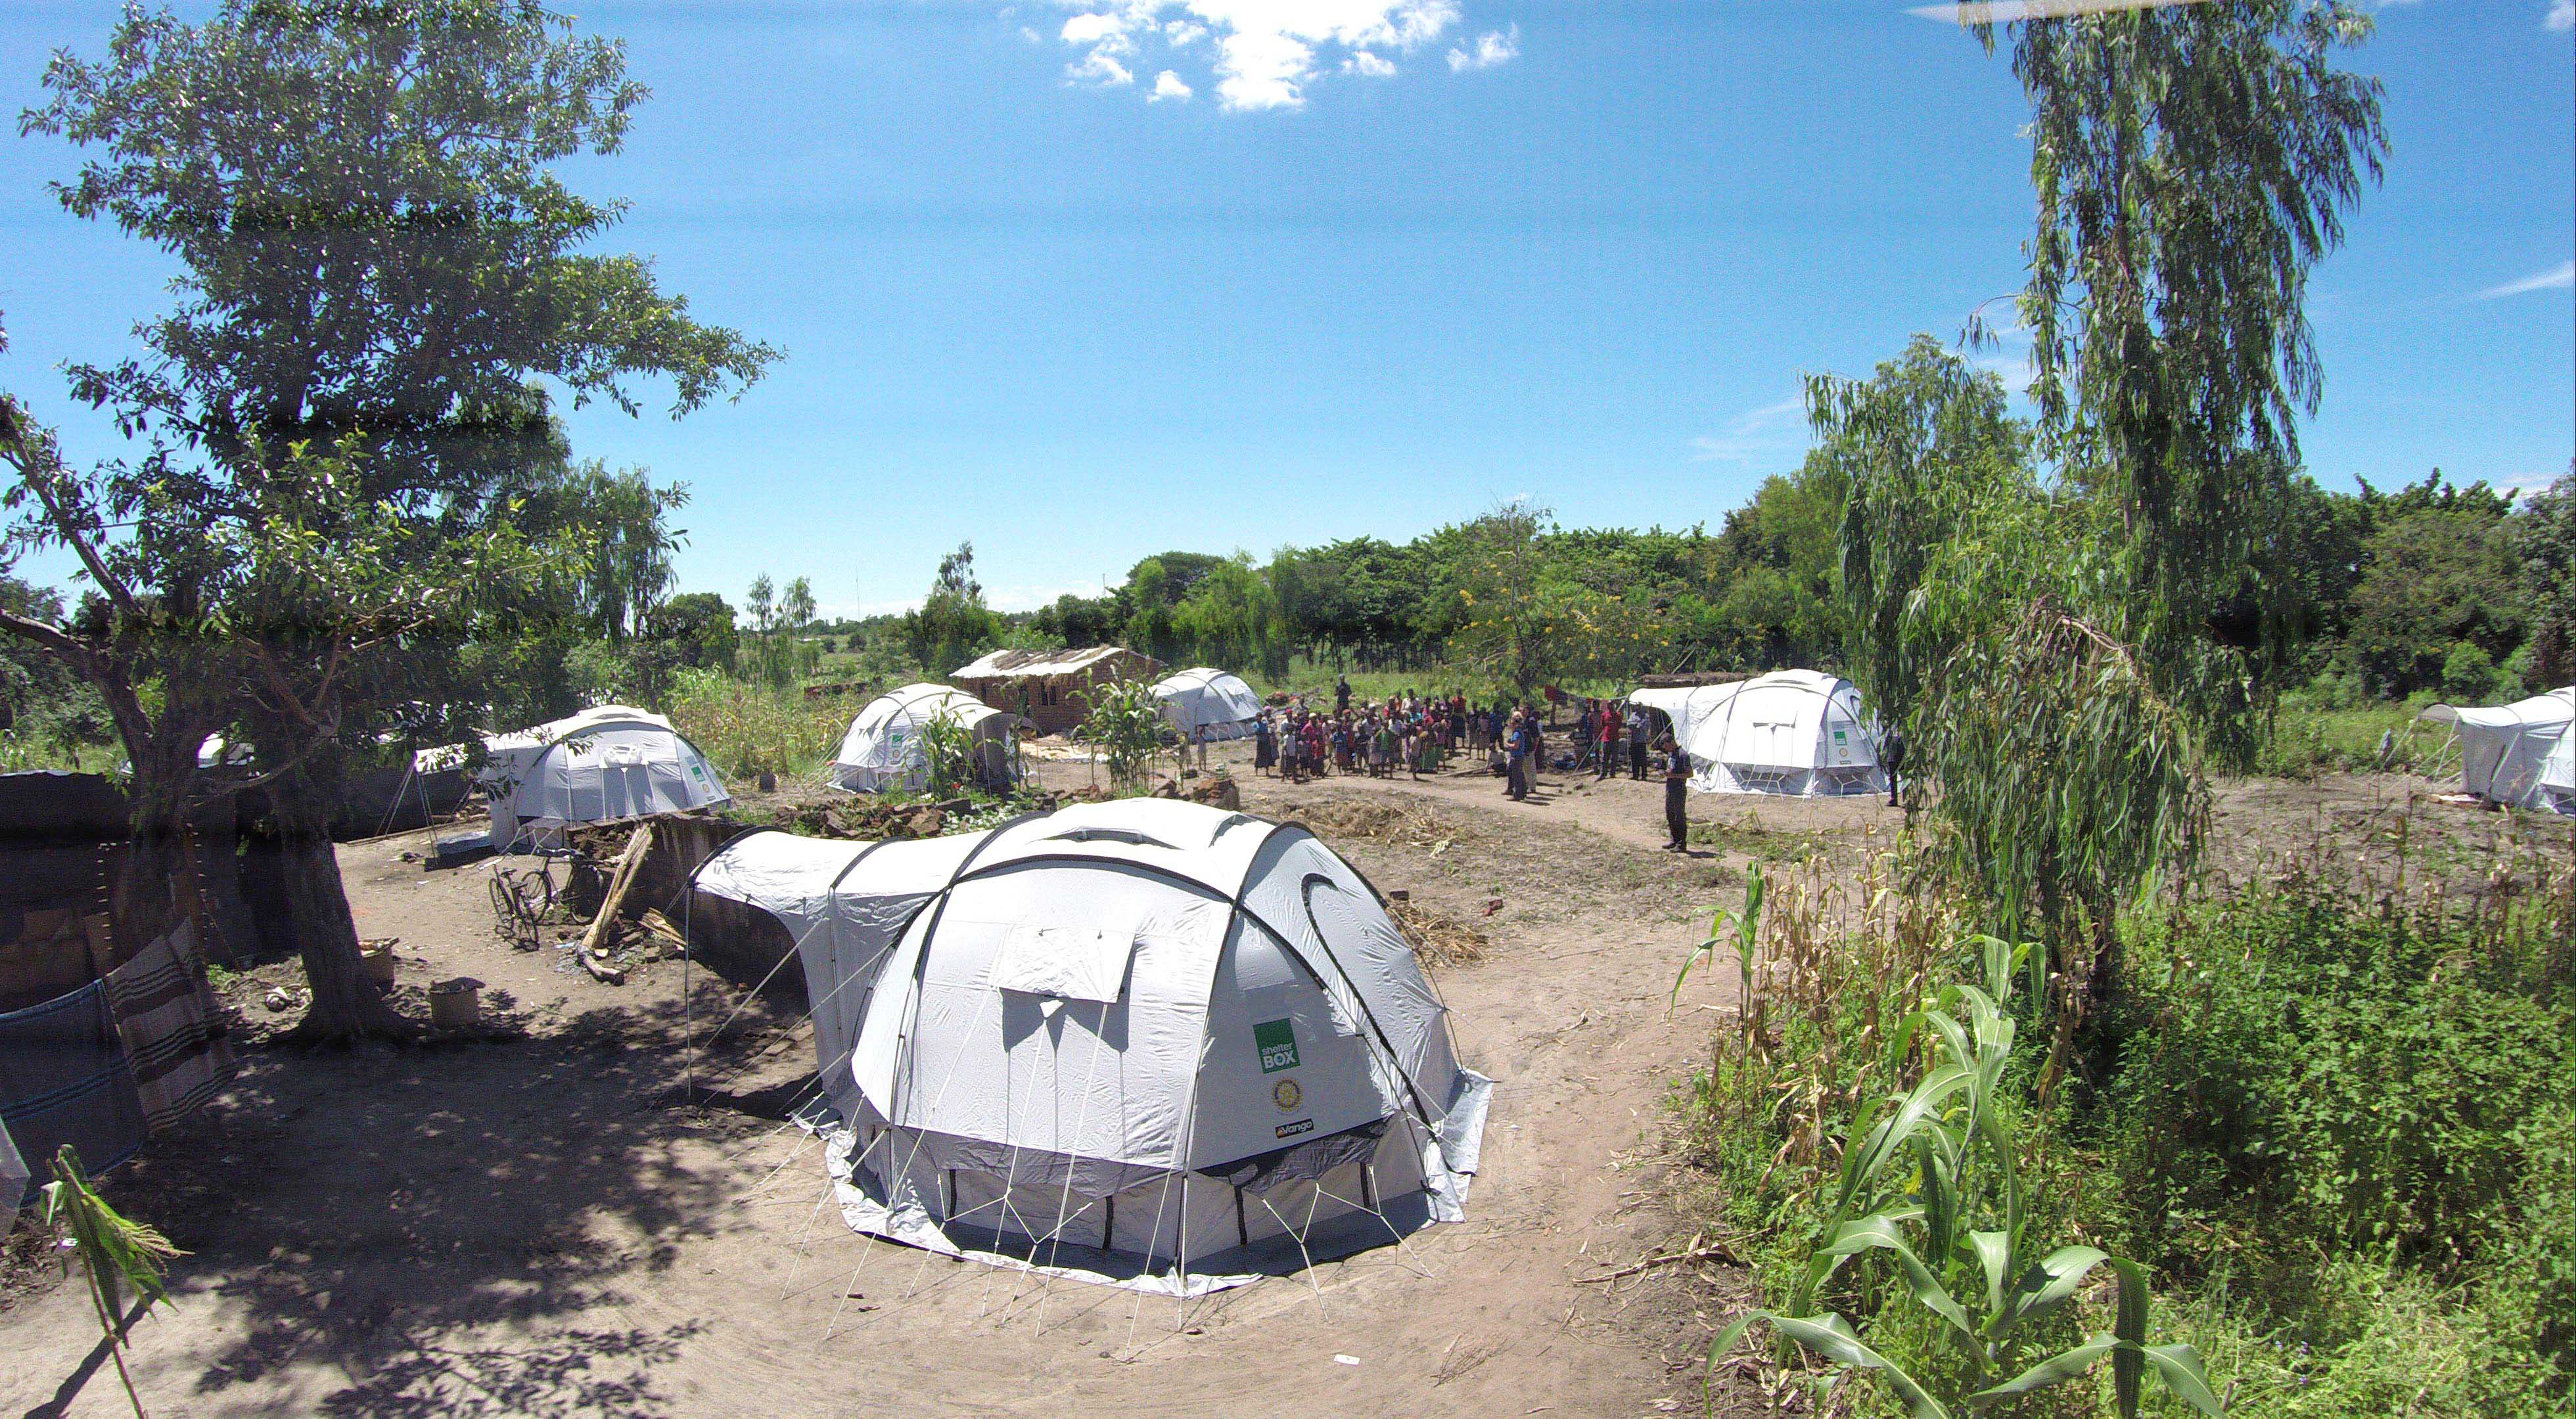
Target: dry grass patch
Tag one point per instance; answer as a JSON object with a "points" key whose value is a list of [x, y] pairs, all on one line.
{"points": [[1439, 939]]}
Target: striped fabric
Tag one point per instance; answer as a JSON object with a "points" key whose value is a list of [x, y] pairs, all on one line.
{"points": [[63, 1080], [174, 1035]]}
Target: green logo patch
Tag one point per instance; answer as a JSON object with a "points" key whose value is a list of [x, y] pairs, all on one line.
{"points": [[1277, 1042]]}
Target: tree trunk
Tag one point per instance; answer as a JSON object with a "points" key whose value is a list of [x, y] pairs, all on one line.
{"points": [[346, 1005], [143, 898]]}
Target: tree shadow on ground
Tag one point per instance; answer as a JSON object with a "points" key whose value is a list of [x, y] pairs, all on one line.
{"points": [[434, 1222]]}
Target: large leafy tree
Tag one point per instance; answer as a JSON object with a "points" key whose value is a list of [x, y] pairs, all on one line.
{"points": [[2431, 583], [1231, 618], [2059, 656], [2547, 530], [382, 276], [953, 625]]}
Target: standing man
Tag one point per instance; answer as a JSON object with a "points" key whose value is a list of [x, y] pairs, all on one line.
{"points": [[1517, 748], [1891, 752], [1676, 794], [1640, 729], [1609, 746], [1341, 694]]}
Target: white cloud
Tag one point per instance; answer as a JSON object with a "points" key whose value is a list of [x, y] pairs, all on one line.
{"points": [[2558, 278], [1492, 48], [1772, 431], [1264, 54], [1168, 85], [1104, 30], [1102, 68], [1032, 36], [2561, 16]]}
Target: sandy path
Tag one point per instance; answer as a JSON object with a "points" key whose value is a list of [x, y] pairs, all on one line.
{"points": [[529, 1227]]}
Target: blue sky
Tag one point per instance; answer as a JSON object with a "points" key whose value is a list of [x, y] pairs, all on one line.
{"points": [[1580, 250]]}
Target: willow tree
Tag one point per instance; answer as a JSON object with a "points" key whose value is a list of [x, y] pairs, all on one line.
{"points": [[2060, 652], [382, 280]]}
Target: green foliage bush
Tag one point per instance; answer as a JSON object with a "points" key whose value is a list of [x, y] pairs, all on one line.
{"points": [[2362, 1083], [2468, 673], [2329, 1111], [2339, 1131]]}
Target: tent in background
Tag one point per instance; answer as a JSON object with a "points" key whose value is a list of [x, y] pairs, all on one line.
{"points": [[598, 766], [882, 749], [2517, 754], [1144, 1043], [1798, 732], [1206, 703], [2558, 776]]}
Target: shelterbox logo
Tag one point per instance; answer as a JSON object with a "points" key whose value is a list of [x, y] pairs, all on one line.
{"points": [[1277, 1043]]}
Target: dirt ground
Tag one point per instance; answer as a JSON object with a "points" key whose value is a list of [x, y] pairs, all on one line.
{"points": [[540, 1220]]}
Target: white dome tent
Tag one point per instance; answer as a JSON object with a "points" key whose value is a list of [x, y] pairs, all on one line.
{"points": [[1144, 1043], [882, 749], [1796, 732], [1206, 703], [598, 766], [2520, 755], [2558, 775]]}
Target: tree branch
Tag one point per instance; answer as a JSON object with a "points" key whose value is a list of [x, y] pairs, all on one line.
{"points": [[38, 466], [84, 659]]}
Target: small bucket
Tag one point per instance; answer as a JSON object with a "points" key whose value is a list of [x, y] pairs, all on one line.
{"points": [[455, 1004], [377, 957]]}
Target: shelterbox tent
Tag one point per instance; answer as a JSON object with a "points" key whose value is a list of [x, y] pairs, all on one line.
{"points": [[1146, 1043], [1208, 704], [598, 766], [882, 749], [2520, 754], [1797, 732]]}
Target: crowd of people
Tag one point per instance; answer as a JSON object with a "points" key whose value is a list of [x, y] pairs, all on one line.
{"points": [[1417, 734]]}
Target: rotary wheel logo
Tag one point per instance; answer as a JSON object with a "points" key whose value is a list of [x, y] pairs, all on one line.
{"points": [[1286, 1095]]}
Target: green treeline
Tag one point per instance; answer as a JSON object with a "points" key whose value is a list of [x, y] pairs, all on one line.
{"points": [[2458, 590]]}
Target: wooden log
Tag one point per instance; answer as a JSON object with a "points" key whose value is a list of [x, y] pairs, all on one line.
{"points": [[596, 937]]}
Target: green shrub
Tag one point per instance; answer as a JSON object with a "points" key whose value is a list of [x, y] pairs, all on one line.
{"points": [[2468, 674], [2347, 1126], [2340, 1133], [2336, 1081]]}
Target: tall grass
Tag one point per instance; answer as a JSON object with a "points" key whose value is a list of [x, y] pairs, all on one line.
{"points": [[749, 729], [2310, 737]]}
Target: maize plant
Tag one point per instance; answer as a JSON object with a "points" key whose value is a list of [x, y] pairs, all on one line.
{"points": [[949, 748], [1927, 1165], [115, 1252], [1743, 929], [1126, 726]]}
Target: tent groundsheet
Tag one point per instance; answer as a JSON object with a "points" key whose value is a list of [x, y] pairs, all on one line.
{"points": [[600, 766], [1145, 1043], [2520, 755], [882, 750], [1206, 703], [1795, 732]]}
